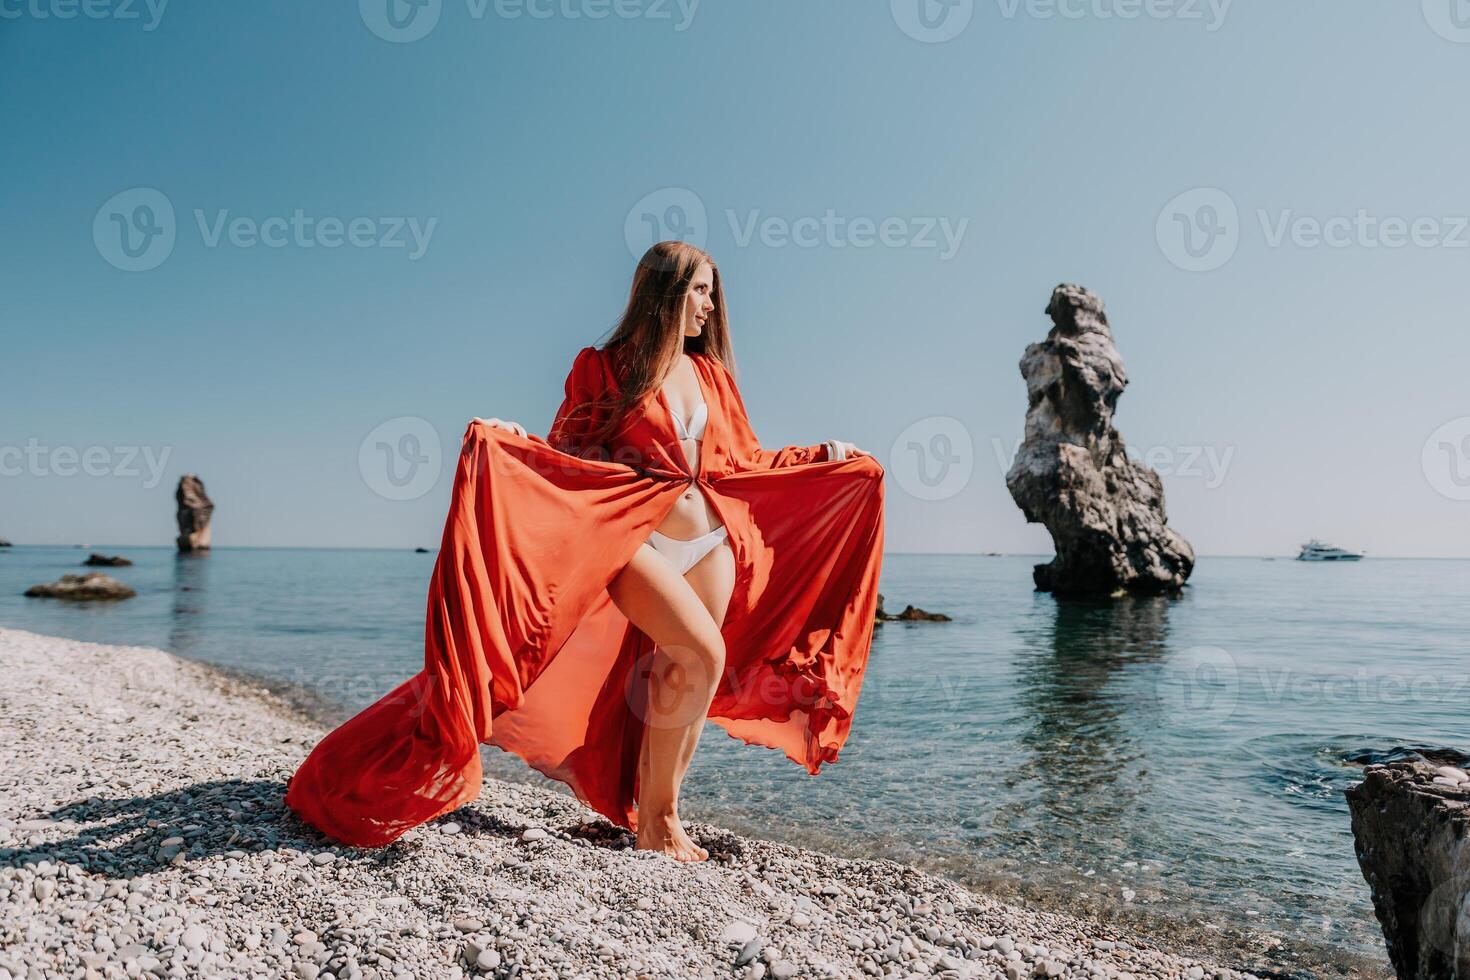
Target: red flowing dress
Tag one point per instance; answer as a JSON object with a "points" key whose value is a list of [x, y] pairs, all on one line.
{"points": [[524, 649]]}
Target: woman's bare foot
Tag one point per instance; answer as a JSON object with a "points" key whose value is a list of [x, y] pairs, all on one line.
{"points": [[667, 834]]}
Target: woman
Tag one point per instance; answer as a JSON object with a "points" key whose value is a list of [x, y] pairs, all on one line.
{"points": [[599, 593]]}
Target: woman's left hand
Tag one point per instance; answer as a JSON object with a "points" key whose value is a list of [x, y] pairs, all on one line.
{"points": [[851, 449]]}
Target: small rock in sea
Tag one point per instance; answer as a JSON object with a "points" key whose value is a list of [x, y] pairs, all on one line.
{"points": [[81, 588], [533, 833], [106, 561], [737, 931], [1129, 894]]}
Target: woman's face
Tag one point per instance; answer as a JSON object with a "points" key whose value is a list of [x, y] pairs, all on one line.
{"points": [[699, 301]]}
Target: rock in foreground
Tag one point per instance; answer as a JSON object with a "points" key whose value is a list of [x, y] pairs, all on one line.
{"points": [[1105, 511], [93, 585], [1411, 821]]}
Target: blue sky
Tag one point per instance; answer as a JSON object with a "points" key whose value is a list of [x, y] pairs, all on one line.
{"points": [[1297, 365]]}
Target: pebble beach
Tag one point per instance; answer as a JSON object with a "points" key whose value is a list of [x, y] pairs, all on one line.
{"points": [[143, 833]]}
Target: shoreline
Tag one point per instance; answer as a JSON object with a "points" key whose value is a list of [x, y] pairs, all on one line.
{"points": [[180, 851]]}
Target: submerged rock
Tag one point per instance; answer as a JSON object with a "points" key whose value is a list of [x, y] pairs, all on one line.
{"points": [[195, 510], [113, 561], [910, 614], [1411, 822], [1105, 511], [93, 585]]}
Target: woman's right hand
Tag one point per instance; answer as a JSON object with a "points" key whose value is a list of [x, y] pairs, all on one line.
{"points": [[515, 427]]}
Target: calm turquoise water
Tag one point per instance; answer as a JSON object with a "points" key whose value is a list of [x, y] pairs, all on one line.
{"points": [[1192, 751]]}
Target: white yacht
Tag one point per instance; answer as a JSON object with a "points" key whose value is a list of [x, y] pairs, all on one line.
{"points": [[1315, 550]]}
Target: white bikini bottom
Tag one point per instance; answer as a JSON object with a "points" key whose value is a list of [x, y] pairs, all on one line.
{"points": [[685, 554]]}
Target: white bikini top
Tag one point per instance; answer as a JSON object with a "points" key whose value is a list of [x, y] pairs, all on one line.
{"points": [[696, 424]]}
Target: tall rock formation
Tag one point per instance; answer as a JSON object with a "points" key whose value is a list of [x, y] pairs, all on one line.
{"points": [[195, 509], [1105, 511]]}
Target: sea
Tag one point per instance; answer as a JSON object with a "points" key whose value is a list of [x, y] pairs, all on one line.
{"points": [[1175, 765]]}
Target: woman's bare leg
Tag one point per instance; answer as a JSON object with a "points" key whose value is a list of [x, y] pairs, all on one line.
{"points": [[686, 666], [713, 580]]}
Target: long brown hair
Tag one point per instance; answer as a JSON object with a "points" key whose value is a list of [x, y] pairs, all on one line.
{"points": [[649, 335]]}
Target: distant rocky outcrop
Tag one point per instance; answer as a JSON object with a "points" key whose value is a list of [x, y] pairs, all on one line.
{"points": [[93, 585], [910, 614], [195, 509], [1411, 822], [106, 561], [4, 543], [421, 551], [1105, 511]]}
